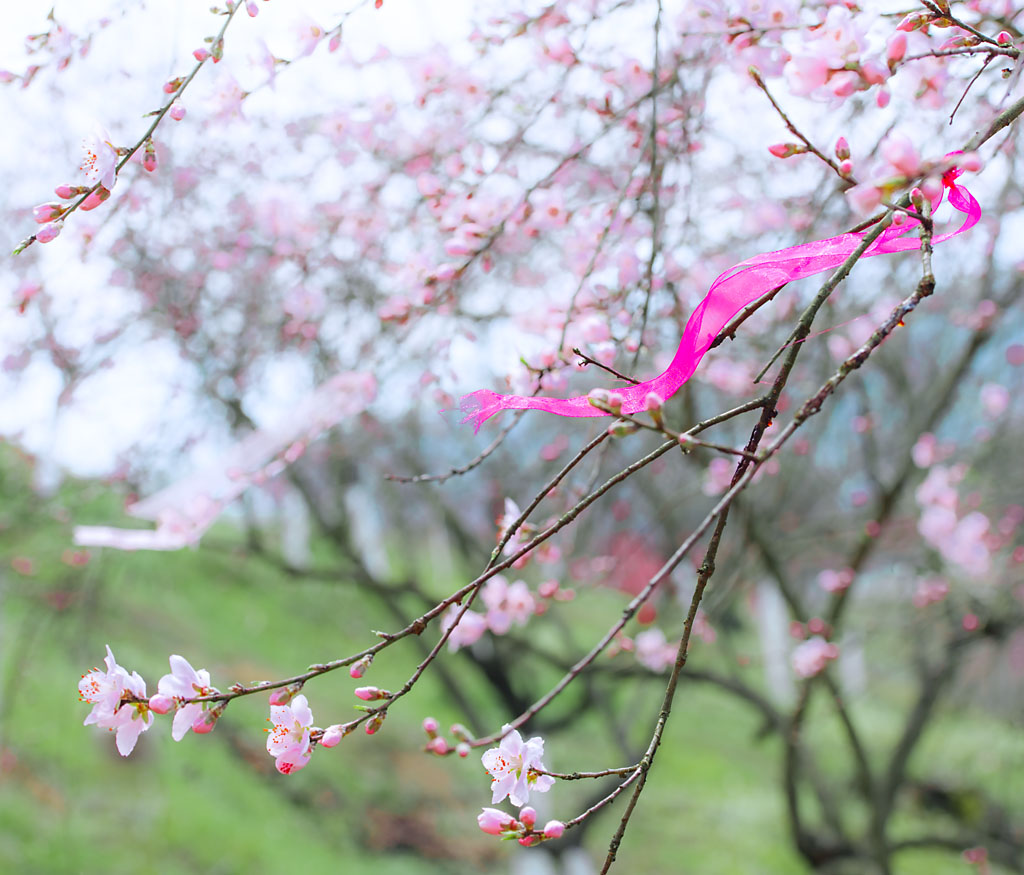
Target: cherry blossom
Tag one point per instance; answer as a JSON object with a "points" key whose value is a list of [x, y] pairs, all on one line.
{"points": [[184, 682], [105, 691], [100, 161], [468, 629], [811, 657], [289, 739], [512, 766]]}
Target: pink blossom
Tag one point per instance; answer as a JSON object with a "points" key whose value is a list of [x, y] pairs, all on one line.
{"points": [[100, 161], [929, 591], [811, 657], [184, 682], [506, 604], [653, 651], [289, 739], [468, 629], [718, 478], [835, 581], [105, 690], [495, 822], [512, 766], [899, 152], [995, 398]]}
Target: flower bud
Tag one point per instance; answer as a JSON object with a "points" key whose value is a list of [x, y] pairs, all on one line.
{"points": [[208, 719], [846, 167], [462, 749], [160, 704], [1004, 39], [461, 733], [527, 841], [785, 150], [358, 669], [332, 735], [495, 822], [528, 816], [621, 428], [553, 829], [283, 695], [67, 191], [95, 199], [897, 48], [149, 157], [371, 694], [200, 54], [842, 149], [430, 726], [172, 85], [177, 111], [49, 232], [375, 722], [437, 745]]}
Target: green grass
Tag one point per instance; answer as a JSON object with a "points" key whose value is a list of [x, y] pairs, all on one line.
{"points": [[214, 804]]}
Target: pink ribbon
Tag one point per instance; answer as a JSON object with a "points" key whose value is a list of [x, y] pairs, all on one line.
{"points": [[739, 286]]}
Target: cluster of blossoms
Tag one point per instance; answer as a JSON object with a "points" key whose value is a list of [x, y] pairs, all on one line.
{"points": [[506, 604], [515, 768], [120, 704]]}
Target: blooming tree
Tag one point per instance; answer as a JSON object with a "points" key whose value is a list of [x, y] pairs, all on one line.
{"points": [[558, 203]]}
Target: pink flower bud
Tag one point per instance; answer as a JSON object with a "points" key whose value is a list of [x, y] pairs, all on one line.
{"points": [[553, 829], [358, 669], [911, 22], [495, 822], [462, 749], [252, 9], [172, 85], [335, 42], [95, 199], [897, 48], [1004, 39], [66, 191], [437, 745], [160, 704], [782, 150], [206, 721], [371, 694], [283, 695], [47, 213], [332, 735], [653, 402], [882, 98], [528, 816], [177, 111], [149, 160], [430, 726], [49, 232], [200, 54], [846, 167], [527, 841], [375, 722], [842, 149]]}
